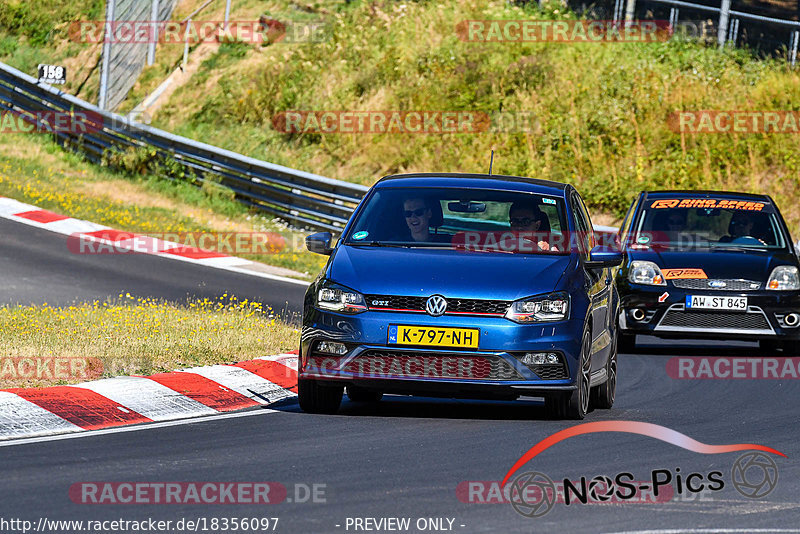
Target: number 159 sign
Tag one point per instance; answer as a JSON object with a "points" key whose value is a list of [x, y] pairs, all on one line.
{"points": [[52, 74]]}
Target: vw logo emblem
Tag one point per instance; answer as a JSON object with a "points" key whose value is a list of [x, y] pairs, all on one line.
{"points": [[436, 305], [717, 284]]}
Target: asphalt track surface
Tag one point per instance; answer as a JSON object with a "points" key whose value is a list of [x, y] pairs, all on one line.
{"points": [[37, 267], [403, 457]]}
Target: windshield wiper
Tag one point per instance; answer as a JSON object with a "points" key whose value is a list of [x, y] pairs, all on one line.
{"points": [[376, 244], [725, 247]]}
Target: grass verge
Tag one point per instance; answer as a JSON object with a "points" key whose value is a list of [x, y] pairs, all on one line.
{"points": [[602, 109], [130, 336], [35, 170]]}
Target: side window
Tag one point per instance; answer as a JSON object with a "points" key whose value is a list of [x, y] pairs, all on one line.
{"points": [[582, 226], [626, 223]]}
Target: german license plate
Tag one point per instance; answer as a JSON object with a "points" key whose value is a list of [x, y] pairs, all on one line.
{"points": [[430, 336], [707, 302]]}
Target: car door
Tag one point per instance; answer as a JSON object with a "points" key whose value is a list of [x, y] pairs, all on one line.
{"points": [[598, 283]]}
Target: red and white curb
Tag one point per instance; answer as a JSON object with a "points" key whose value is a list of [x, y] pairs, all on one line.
{"points": [[84, 230], [130, 400]]}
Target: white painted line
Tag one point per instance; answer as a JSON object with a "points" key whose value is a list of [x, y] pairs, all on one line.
{"points": [[223, 262], [242, 381], [147, 243], [147, 397], [73, 226], [9, 206], [20, 417], [135, 428], [266, 275], [289, 360]]}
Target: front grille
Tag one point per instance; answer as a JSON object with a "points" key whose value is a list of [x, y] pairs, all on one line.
{"points": [[410, 364], [730, 284], [550, 372], [454, 306], [694, 320]]}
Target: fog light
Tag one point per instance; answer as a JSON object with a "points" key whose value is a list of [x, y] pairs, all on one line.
{"points": [[331, 347], [540, 358]]}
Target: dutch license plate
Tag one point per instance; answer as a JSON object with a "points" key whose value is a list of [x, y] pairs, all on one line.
{"points": [[429, 336], [707, 302]]}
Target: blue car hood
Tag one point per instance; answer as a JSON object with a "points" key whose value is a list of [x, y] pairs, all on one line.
{"points": [[452, 273]]}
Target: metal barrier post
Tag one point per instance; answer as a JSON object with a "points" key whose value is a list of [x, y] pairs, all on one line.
{"points": [[724, 15], [629, 10], [793, 46], [151, 47], [228, 13], [109, 36], [186, 44]]}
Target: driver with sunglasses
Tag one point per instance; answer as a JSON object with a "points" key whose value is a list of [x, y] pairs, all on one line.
{"points": [[418, 216], [526, 218]]}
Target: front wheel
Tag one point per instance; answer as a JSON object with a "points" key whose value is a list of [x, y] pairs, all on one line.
{"points": [[316, 398], [575, 404]]}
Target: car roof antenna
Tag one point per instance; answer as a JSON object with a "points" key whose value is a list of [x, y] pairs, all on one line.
{"points": [[491, 160]]}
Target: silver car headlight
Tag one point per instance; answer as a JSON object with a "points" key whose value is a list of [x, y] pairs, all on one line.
{"points": [[547, 308], [338, 298], [647, 273], [784, 278]]}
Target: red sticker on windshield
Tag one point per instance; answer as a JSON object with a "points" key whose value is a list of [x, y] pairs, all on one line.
{"points": [[746, 205]]}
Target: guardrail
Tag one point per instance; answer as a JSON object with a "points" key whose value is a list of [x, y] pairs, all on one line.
{"points": [[300, 198]]}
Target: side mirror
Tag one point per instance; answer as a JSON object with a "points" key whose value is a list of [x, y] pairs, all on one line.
{"points": [[320, 243], [603, 257], [797, 248]]}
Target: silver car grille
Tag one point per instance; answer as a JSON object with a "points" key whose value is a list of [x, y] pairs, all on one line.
{"points": [[716, 284]]}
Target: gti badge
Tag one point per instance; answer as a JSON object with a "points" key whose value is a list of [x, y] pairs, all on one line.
{"points": [[436, 305], [716, 284]]}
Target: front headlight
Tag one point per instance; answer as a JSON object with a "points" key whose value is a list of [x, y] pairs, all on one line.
{"points": [[335, 297], [784, 278], [647, 273], [553, 307]]}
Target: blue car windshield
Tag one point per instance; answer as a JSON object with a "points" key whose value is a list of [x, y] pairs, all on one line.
{"points": [[480, 220], [723, 224]]}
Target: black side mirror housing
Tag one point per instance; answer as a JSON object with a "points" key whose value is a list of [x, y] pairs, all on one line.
{"points": [[320, 243], [603, 257]]}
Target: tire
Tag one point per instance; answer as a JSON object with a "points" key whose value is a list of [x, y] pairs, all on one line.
{"points": [[357, 394], [315, 398], [626, 343], [575, 404], [604, 394]]}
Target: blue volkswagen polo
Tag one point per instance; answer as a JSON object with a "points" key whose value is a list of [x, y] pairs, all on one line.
{"points": [[463, 285]]}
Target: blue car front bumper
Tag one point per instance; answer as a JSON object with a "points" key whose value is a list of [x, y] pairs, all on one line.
{"points": [[494, 368]]}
